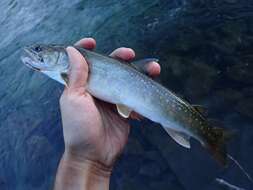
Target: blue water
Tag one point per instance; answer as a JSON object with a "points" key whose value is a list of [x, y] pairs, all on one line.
{"points": [[205, 50]]}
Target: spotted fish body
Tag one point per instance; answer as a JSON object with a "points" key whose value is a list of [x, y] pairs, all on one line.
{"points": [[124, 85]]}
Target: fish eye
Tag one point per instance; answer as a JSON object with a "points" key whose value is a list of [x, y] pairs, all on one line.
{"points": [[37, 49]]}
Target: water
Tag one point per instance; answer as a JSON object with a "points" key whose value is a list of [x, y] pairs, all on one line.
{"points": [[205, 49]]}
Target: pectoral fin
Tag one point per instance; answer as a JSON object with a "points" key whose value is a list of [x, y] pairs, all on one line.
{"points": [[180, 138], [123, 110], [65, 77], [56, 76]]}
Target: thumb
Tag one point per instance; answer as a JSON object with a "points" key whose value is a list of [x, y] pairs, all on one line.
{"points": [[78, 69]]}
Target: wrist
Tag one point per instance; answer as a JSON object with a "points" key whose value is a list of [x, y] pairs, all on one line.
{"points": [[76, 173], [84, 163]]}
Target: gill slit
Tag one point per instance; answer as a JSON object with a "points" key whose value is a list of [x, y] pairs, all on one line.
{"points": [[57, 58]]}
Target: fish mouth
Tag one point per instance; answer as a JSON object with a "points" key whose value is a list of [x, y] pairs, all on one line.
{"points": [[29, 59], [30, 65]]}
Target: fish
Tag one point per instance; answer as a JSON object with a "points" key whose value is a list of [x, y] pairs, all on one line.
{"points": [[127, 86]]}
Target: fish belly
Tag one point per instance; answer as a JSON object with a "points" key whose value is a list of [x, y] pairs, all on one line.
{"points": [[122, 86]]}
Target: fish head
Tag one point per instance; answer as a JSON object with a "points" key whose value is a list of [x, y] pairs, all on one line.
{"points": [[45, 57], [51, 60]]}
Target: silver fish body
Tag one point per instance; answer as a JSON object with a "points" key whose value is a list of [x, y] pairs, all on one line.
{"points": [[121, 83]]}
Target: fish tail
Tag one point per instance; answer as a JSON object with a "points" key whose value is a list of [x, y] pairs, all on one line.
{"points": [[216, 140]]}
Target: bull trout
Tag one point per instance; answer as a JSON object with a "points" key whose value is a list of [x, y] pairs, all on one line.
{"points": [[130, 89]]}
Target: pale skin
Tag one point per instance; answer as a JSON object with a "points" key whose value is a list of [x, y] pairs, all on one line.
{"points": [[94, 133]]}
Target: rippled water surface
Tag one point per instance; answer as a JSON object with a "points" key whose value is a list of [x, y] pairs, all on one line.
{"points": [[205, 50]]}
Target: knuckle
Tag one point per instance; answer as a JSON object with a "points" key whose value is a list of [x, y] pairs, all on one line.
{"points": [[77, 68]]}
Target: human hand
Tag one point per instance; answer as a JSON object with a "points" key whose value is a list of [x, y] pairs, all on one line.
{"points": [[93, 131]]}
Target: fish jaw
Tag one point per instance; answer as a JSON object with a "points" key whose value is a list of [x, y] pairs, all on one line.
{"points": [[30, 59], [30, 63]]}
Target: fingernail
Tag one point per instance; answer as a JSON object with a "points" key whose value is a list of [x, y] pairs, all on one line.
{"points": [[68, 48], [154, 67], [70, 51]]}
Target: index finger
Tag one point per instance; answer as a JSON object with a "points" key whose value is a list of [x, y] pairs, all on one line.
{"points": [[123, 53], [87, 43], [152, 68]]}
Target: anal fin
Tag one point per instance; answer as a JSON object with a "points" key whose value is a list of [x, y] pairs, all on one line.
{"points": [[180, 138]]}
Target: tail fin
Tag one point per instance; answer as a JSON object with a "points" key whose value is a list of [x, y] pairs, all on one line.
{"points": [[216, 139]]}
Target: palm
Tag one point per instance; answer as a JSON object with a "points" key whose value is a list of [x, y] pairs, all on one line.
{"points": [[112, 129], [109, 132], [94, 127]]}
